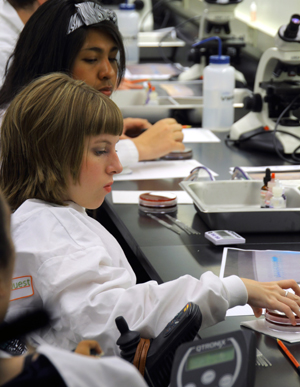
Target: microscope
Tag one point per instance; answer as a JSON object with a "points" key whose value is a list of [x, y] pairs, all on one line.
{"points": [[214, 21], [272, 121]]}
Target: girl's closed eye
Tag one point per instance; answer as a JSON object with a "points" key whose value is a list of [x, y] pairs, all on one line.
{"points": [[90, 60], [100, 152]]}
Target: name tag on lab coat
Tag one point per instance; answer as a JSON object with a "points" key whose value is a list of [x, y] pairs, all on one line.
{"points": [[21, 287]]}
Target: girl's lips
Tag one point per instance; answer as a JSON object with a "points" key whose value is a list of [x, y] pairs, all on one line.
{"points": [[107, 188], [106, 90]]}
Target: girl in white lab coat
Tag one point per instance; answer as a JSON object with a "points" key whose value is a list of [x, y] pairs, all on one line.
{"points": [[58, 157], [50, 366]]}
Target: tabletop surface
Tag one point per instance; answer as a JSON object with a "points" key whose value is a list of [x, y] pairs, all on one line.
{"points": [[165, 255]]}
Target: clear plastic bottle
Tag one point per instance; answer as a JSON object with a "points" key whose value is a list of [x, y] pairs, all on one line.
{"points": [[253, 10], [218, 89], [128, 22], [272, 182], [153, 97], [277, 201]]}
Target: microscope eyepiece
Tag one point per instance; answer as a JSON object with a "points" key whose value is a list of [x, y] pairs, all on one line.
{"points": [[292, 28]]}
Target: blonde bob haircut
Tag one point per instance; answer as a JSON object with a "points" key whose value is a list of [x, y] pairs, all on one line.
{"points": [[43, 135]]}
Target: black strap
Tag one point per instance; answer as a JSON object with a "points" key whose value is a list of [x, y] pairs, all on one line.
{"points": [[28, 360]]}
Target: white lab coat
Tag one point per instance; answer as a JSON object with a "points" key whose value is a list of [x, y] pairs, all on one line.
{"points": [[10, 27], [81, 274], [78, 370]]}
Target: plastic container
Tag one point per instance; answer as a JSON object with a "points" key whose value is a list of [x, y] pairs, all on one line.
{"points": [[235, 205], [218, 89], [128, 22]]}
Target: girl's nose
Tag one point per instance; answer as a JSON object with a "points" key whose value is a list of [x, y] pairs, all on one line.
{"points": [[115, 166], [106, 70]]}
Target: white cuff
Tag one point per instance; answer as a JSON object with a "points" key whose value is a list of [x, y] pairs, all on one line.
{"points": [[236, 290], [127, 153]]}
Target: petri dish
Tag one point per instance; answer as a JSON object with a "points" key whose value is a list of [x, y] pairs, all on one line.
{"points": [[278, 321], [157, 202], [185, 154]]}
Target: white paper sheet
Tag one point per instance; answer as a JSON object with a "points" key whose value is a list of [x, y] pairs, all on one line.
{"points": [[265, 265], [199, 135], [151, 71], [260, 326], [132, 197], [268, 265], [162, 169], [244, 310]]}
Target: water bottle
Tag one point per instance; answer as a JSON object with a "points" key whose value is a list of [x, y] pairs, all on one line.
{"points": [[218, 89], [128, 22]]}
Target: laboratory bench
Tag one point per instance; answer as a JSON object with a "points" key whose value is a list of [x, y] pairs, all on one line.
{"points": [[159, 254], [164, 255]]}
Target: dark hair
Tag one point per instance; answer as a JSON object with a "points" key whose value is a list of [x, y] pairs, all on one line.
{"points": [[6, 245], [44, 46]]}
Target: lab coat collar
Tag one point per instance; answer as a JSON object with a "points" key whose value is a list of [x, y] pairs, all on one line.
{"points": [[76, 207], [33, 205]]}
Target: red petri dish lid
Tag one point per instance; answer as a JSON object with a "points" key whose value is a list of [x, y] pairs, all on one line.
{"points": [[158, 199], [279, 318]]}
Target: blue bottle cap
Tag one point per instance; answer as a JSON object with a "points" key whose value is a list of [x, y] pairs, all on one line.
{"points": [[126, 7], [222, 59]]}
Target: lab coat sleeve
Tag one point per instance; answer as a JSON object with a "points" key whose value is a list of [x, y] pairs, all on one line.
{"points": [[82, 276], [91, 296], [78, 370], [11, 26], [127, 153]]}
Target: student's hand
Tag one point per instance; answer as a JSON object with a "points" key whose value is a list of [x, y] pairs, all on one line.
{"points": [[85, 347], [163, 137], [271, 295], [134, 124]]}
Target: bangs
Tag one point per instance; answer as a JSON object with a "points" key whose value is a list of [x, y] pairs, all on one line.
{"points": [[103, 117]]}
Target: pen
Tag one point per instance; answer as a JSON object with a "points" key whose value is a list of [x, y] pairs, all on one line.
{"points": [[139, 80], [186, 126], [288, 354]]}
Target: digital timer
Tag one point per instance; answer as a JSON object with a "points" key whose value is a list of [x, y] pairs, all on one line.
{"points": [[226, 360]]}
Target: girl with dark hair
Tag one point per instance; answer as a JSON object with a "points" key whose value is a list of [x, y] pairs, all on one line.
{"points": [[92, 51]]}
